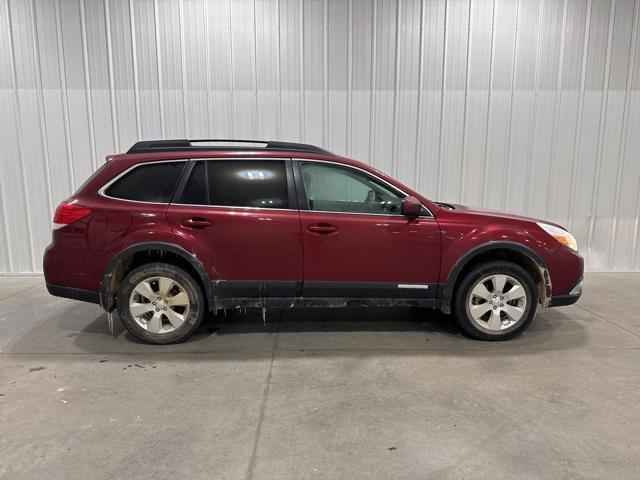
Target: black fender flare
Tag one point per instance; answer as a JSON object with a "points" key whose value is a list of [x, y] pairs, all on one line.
{"points": [[454, 273], [141, 247]]}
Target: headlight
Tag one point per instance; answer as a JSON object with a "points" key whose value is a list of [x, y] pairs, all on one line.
{"points": [[560, 235]]}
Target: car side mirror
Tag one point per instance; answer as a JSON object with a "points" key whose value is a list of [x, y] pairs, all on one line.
{"points": [[411, 206]]}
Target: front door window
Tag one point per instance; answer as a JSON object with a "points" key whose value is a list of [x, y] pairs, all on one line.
{"points": [[333, 188]]}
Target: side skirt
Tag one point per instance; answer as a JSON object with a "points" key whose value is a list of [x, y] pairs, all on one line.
{"points": [[285, 294], [323, 302]]}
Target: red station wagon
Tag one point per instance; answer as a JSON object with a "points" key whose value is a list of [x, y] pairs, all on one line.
{"points": [[175, 228]]}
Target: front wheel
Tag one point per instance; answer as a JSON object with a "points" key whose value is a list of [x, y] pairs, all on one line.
{"points": [[160, 303], [496, 301]]}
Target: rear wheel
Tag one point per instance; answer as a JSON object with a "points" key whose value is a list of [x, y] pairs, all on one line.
{"points": [[160, 303], [496, 301]]}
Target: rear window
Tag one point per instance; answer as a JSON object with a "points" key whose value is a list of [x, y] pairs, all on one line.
{"points": [[148, 183], [237, 183]]}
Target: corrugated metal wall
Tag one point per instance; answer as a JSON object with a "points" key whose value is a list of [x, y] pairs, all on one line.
{"points": [[522, 105]]}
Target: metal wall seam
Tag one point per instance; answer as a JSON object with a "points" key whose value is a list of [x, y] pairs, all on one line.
{"points": [[303, 107], [578, 130], [279, 75], [348, 118], [396, 81], [3, 202], [636, 228], [464, 112], [556, 110], [231, 74], [532, 129], [372, 98], [604, 102], [487, 130], [65, 98], [19, 138], [183, 70], [622, 148], [514, 59], [256, 113], [134, 61], [325, 74], [159, 66], [112, 91], [87, 84], [41, 111], [207, 63], [442, 95], [417, 164]]}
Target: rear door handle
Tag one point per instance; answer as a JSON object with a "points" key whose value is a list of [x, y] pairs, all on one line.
{"points": [[322, 228], [196, 222]]}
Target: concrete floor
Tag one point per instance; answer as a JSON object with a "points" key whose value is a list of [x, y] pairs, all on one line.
{"points": [[353, 394]]}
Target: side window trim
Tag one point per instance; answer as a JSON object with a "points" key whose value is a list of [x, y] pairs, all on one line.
{"points": [[292, 198], [102, 191], [291, 186], [301, 194], [186, 173], [303, 201]]}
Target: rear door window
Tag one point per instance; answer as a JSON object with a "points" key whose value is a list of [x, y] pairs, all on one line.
{"points": [[153, 183], [237, 183]]}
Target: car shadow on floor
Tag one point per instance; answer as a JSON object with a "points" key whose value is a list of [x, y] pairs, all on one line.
{"points": [[82, 328], [349, 319]]}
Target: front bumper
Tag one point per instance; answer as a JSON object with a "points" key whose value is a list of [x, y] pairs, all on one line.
{"points": [[568, 299]]}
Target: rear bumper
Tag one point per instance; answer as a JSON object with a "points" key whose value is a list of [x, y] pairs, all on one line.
{"points": [[69, 272], [74, 293]]}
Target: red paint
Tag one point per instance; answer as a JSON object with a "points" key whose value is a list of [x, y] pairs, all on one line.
{"points": [[464, 229], [269, 244], [371, 248], [241, 244]]}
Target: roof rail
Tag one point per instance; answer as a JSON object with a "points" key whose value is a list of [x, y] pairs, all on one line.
{"points": [[153, 146]]}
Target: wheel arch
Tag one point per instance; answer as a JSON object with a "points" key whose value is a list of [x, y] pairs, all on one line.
{"points": [[147, 252], [510, 251]]}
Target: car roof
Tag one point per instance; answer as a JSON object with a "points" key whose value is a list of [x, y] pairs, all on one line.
{"points": [[155, 146], [159, 150], [155, 150]]}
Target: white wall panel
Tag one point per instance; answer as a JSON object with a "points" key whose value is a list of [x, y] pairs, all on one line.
{"points": [[529, 106]]}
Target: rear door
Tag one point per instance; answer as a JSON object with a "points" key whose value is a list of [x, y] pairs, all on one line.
{"points": [[357, 244], [240, 218]]}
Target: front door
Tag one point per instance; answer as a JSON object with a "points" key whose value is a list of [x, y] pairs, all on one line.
{"points": [[239, 218], [357, 244]]}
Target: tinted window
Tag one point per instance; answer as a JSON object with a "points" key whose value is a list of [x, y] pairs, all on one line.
{"points": [[238, 183], [332, 188], [195, 191], [148, 183]]}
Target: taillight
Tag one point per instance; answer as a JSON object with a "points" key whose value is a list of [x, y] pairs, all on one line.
{"points": [[68, 213]]}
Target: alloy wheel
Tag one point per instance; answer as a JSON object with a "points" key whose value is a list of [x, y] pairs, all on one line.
{"points": [[159, 304], [497, 302]]}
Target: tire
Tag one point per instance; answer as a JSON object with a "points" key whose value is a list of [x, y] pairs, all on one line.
{"points": [[160, 303], [492, 313]]}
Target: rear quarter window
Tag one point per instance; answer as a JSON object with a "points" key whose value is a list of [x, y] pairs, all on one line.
{"points": [[153, 183]]}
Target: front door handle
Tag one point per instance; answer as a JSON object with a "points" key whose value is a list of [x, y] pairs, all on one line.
{"points": [[322, 228], [196, 222]]}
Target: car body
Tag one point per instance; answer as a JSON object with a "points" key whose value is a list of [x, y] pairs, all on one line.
{"points": [[281, 224]]}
